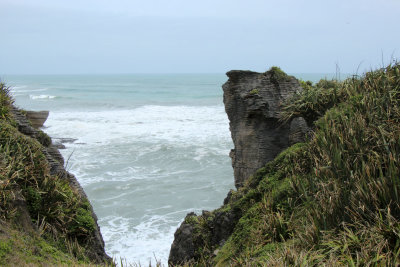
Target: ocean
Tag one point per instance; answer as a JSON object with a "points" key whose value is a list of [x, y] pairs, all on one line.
{"points": [[146, 148]]}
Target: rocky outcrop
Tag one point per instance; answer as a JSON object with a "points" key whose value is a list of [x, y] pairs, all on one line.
{"points": [[56, 164], [37, 118], [198, 235], [253, 104], [183, 248]]}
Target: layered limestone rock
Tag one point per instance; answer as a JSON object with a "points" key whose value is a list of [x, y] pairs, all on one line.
{"points": [[253, 104], [37, 118], [56, 163]]}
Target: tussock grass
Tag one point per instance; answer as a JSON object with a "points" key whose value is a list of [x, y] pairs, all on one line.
{"points": [[5, 102], [314, 100]]}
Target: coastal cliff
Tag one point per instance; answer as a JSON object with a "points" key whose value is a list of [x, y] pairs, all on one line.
{"points": [[45, 216], [330, 200], [253, 103]]}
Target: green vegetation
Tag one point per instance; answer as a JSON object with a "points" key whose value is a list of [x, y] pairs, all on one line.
{"points": [[18, 248], [43, 138], [5, 102], [254, 91], [277, 75], [333, 200], [42, 218], [50, 200], [316, 99]]}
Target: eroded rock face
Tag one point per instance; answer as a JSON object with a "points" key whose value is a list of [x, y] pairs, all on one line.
{"points": [[298, 130], [37, 118], [183, 248], [253, 103], [198, 234]]}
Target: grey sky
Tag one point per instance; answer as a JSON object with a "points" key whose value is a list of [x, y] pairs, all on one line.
{"points": [[121, 36]]}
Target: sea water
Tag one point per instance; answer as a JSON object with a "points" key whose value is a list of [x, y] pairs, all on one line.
{"points": [[146, 148]]}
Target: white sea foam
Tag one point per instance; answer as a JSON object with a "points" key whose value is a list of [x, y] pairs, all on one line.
{"points": [[141, 165], [24, 90], [41, 97], [183, 124], [145, 238]]}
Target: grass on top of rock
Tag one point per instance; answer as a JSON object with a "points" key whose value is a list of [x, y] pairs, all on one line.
{"points": [[333, 200], [277, 75]]}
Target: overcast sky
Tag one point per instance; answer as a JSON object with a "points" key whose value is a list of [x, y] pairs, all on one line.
{"points": [[183, 36]]}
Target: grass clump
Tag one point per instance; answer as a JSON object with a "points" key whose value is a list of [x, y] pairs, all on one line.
{"points": [[5, 102], [277, 75], [314, 100]]}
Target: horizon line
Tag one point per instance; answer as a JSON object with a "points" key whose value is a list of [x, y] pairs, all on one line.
{"points": [[145, 73]]}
